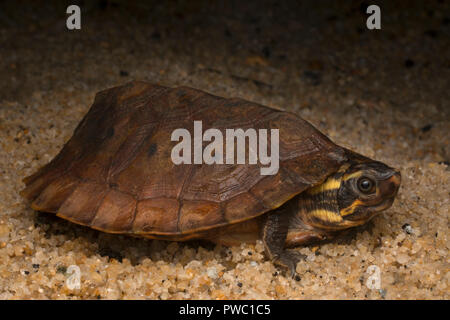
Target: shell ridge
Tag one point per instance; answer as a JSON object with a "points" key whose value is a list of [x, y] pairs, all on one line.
{"points": [[187, 177], [142, 134], [91, 223], [76, 183], [134, 214]]}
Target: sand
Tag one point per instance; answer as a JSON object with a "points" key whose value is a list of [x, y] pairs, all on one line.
{"points": [[383, 93]]}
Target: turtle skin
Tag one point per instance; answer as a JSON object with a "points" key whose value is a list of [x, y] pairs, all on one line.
{"points": [[115, 174]]}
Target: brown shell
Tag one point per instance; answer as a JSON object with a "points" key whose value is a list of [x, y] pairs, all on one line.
{"points": [[116, 174]]}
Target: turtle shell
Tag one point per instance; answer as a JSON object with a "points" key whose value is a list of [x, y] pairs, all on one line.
{"points": [[116, 174]]}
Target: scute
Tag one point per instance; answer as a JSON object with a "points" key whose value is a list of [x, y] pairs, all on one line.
{"points": [[115, 174]]}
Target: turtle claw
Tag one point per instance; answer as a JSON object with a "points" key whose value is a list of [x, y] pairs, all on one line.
{"points": [[288, 259]]}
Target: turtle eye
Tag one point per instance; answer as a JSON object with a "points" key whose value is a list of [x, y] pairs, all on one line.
{"points": [[366, 185]]}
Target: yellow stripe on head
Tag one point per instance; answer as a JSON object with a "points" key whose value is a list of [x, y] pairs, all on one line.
{"points": [[326, 215], [330, 184], [344, 167], [356, 174], [351, 208]]}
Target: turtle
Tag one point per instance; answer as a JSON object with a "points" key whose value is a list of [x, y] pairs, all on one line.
{"points": [[116, 174]]}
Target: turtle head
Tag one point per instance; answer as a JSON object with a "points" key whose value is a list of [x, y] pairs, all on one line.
{"points": [[366, 189], [351, 196]]}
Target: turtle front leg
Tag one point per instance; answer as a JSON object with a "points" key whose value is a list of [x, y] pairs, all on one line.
{"points": [[274, 233]]}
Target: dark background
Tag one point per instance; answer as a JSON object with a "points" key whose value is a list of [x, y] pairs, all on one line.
{"points": [[321, 43], [383, 93]]}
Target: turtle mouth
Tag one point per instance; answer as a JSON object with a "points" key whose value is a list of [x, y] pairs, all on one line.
{"points": [[386, 204], [365, 213], [388, 190]]}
